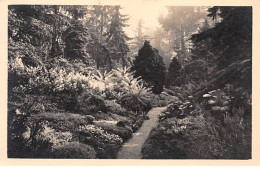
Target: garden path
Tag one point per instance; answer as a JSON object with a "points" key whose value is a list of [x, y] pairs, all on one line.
{"points": [[131, 149]]}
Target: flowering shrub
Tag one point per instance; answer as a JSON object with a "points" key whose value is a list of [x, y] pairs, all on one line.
{"points": [[62, 121], [56, 139], [106, 145]]}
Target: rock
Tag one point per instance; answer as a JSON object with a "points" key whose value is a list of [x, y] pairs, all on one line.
{"points": [[211, 102], [127, 123], [120, 124], [215, 108], [90, 119], [162, 128], [146, 118], [167, 113], [226, 103], [206, 95]]}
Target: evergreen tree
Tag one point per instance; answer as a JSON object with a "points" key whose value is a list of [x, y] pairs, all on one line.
{"points": [[173, 72], [117, 38], [162, 41], [202, 49], [181, 22], [150, 67], [100, 17], [139, 38], [230, 42]]}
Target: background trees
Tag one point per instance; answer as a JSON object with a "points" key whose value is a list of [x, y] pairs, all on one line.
{"points": [[174, 72], [139, 38], [181, 22], [116, 38], [230, 44]]}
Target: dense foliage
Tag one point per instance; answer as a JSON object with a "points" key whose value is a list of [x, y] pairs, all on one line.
{"points": [[174, 72], [150, 67], [75, 90], [212, 119], [56, 95], [231, 41]]}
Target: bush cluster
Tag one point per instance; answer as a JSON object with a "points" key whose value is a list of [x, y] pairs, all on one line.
{"points": [[217, 128]]}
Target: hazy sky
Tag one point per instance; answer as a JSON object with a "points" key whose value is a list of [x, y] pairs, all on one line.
{"points": [[148, 11]]}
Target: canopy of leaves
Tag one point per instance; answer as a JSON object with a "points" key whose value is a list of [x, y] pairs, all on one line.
{"points": [[230, 42]]}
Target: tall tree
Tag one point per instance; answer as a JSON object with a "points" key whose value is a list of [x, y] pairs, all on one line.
{"points": [[150, 67], [231, 41], [174, 72], [139, 38], [202, 49], [116, 38], [100, 17], [163, 41], [182, 22]]}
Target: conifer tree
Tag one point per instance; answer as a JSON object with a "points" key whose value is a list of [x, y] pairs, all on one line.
{"points": [[139, 39], [150, 67], [117, 38], [173, 72]]}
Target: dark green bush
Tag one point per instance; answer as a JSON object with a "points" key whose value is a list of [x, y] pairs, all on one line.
{"points": [[161, 146], [124, 132], [74, 150], [106, 145], [115, 108], [62, 121], [90, 103], [199, 137]]}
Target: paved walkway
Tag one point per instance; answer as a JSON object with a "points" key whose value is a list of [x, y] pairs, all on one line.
{"points": [[131, 149]]}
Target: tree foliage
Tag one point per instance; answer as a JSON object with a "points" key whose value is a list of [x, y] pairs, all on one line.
{"points": [[140, 38], [116, 38], [174, 72], [150, 67], [230, 41], [182, 22]]}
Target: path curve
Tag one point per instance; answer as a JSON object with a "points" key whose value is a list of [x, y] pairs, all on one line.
{"points": [[131, 149]]}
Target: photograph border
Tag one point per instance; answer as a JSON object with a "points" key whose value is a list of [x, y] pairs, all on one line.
{"points": [[255, 161]]}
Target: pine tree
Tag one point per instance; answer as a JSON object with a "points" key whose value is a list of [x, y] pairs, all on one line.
{"points": [[139, 38], [100, 17], [202, 49], [150, 67], [117, 38], [174, 72]]}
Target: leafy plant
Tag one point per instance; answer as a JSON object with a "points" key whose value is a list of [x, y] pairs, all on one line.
{"points": [[106, 145], [74, 150]]}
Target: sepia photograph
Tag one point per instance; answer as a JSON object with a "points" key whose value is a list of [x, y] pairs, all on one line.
{"points": [[140, 81]]}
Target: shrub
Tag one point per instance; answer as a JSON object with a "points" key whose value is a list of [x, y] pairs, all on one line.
{"points": [[34, 137], [199, 137], [161, 146], [106, 145], [137, 99], [115, 108], [62, 121], [124, 132], [74, 150], [89, 103]]}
